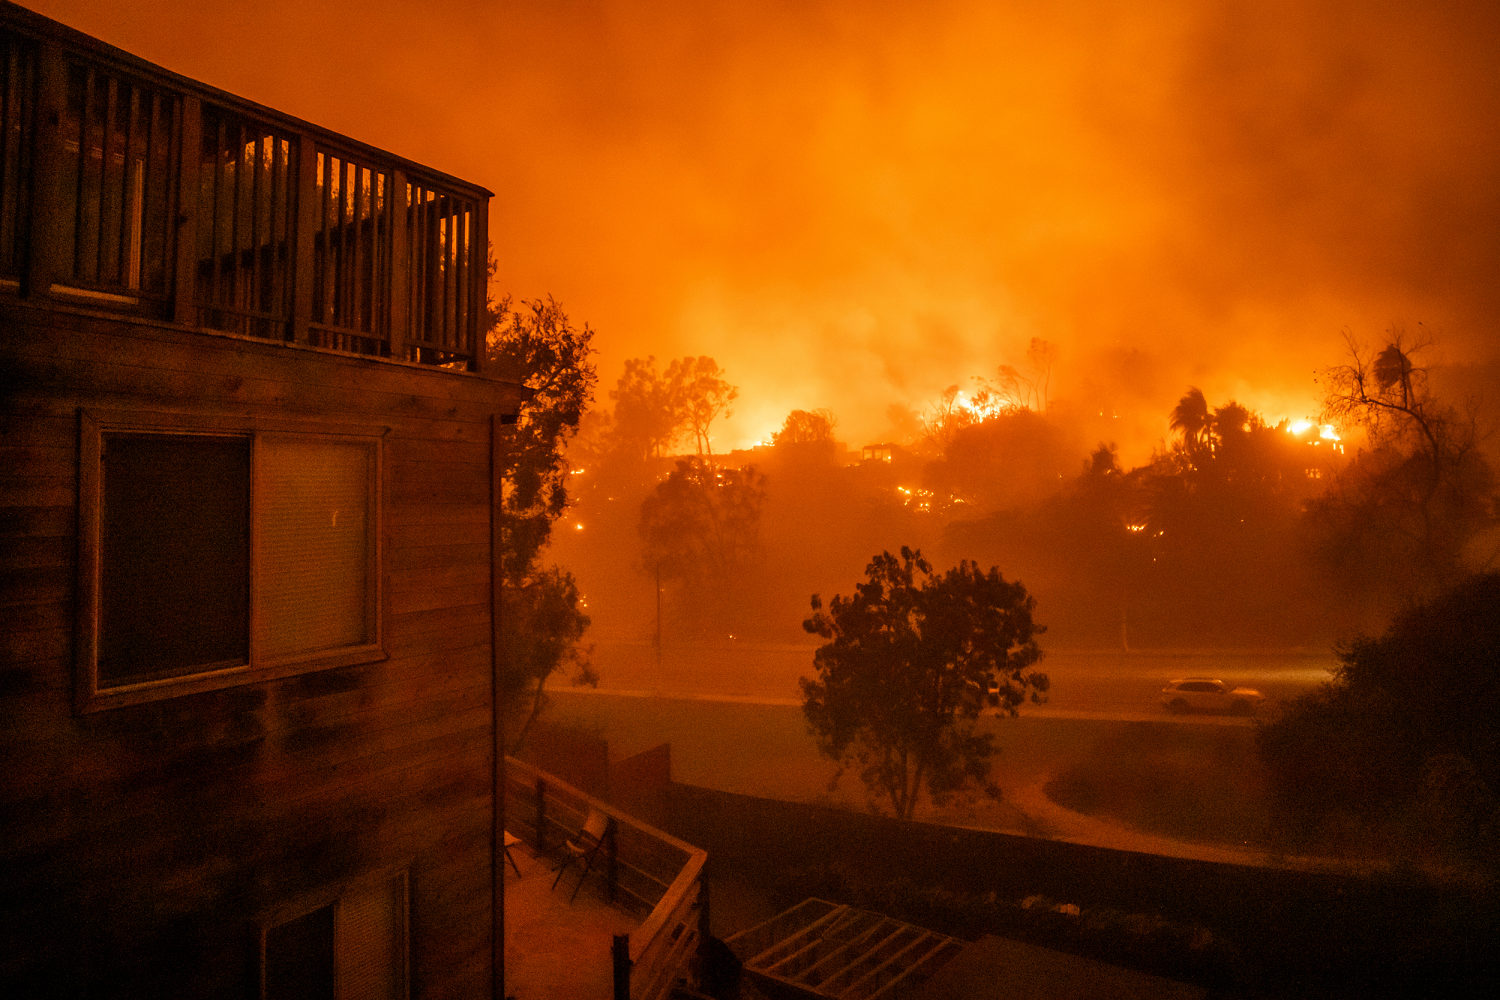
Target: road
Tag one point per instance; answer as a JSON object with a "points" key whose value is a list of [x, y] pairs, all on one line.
{"points": [[1109, 685]]}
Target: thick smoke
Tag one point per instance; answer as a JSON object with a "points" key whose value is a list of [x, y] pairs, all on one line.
{"points": [[852, 205]]}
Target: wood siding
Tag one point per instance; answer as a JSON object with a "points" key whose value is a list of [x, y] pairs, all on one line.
{"points": [[142, 845]]}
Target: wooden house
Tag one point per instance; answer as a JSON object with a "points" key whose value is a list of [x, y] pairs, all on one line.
{"points": [[247, 442]]}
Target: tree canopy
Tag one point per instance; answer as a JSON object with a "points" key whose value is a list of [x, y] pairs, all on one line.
{"points": [[1422, 491], [1405, 734], [701, 523], [910, 661], [543, 623], [702, 395], [534, 343], [654, 410], [805, 441]]}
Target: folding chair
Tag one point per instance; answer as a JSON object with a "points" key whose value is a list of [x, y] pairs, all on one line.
{"points": [[583, 848], [511, 840]]}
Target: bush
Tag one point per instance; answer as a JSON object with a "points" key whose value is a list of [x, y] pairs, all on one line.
{"points": [[1404, 735]]}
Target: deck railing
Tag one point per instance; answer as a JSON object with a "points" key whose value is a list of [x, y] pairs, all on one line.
{"points": [[645, 870], [127, 188]]}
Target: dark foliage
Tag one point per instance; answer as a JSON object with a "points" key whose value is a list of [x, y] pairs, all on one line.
{"points": [[910, 661], [533, 343], [1406, 730], [543, 624]]}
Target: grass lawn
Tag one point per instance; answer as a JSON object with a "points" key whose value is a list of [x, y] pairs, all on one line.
{"points": [[1198, 783]]}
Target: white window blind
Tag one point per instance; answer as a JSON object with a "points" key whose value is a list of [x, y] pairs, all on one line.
{"points": [[354, 948], [371, 942], [314, 545]]}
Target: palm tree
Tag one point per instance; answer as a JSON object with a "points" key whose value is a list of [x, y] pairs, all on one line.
{"points": [[1190, 417]]}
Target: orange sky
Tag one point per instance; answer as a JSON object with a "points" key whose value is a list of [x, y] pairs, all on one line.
{"points": [[856, 203]]}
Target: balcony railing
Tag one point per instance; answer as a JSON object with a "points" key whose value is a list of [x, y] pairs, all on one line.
{"points": [[127, 188], [644, 869]]}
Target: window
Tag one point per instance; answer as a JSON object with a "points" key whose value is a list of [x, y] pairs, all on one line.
{"points": [[217, 552], [352, 947], [174, 555]]}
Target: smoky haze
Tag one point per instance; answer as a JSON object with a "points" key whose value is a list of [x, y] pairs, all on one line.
{"points": [[852, 205]]}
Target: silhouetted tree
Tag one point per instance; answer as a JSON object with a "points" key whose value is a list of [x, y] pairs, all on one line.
{"points": [[805, 440], [1015, 389], [701, 395], [701, 524], [1422, 490], [533, 343], [543, 624], [906, 669], [1103, 461], [1190, 418], [1405, 734], [648, 413], [1042, 355], [1013, 457]]}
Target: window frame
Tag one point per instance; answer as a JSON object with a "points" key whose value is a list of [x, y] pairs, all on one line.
{"points": [[400, 874], [94, 426]]}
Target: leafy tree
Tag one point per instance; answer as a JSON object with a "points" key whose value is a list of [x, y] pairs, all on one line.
{"points": [[543, 624], [533, 343], [1009, 458], [805, 427], [806, 440], [648, 414], [1405, 732], [701, 523], [906, 669], [702, 395], [654, 410]]}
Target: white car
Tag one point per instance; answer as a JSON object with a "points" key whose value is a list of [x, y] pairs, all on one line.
{"points": [[1209, 694]]}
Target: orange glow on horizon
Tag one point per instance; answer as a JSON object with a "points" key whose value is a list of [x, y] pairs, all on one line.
{"points": [[1175, 194]]}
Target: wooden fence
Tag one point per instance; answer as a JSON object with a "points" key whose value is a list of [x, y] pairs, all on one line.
{"points": [[646, 871]]}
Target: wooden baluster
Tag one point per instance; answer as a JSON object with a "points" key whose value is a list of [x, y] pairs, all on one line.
{"points": [[189, 160]]}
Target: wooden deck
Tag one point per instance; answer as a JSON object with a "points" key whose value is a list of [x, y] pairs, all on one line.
{"points": [[553, 947]]}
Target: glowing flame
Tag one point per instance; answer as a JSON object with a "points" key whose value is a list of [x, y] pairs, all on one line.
{"points": [[1299, 428]]}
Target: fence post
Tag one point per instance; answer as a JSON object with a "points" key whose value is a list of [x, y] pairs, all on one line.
{"points": [[704, 922], [185, 198], [479, 279], [541, 817], [621, 952], [399, 315], [50, 258], [612, 856], [310, 208]]}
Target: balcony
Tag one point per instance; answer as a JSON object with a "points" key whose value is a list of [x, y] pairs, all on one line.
{"points": [[632, 929], [128, 189]]}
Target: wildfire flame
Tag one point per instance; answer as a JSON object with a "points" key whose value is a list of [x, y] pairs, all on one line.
{"points": [[1299, 428]]}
